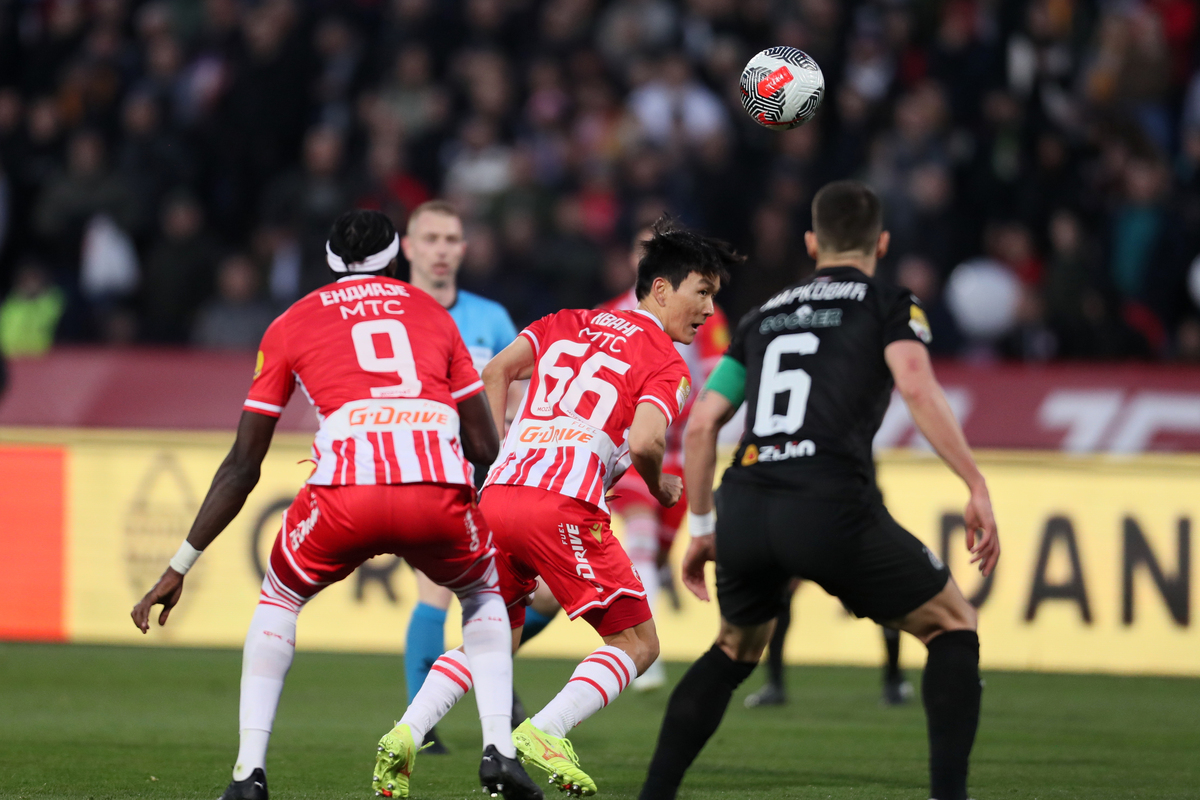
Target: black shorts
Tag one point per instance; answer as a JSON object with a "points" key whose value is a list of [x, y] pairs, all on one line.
{"points": [[845, 542]]}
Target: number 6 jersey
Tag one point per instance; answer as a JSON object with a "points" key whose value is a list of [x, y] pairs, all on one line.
{"points": [[385, 367], [592, 369], [809, 363]]}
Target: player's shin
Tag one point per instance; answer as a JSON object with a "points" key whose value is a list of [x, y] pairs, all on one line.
{"points": [[487, 640], [266, 658], [693, 714], [951, 691], [448, 680], [596, 682]]}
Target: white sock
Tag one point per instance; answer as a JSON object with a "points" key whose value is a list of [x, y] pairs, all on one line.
{"points": [[266, 658], [487, 641], [596, 682], [641, 543], [449, 679]]}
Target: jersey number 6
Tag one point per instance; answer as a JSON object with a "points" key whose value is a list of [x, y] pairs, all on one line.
{"points": [[368, 336], [774, 382]]}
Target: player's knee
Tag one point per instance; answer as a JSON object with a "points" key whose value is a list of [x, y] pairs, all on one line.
{"points": [[648, 650], [744, 644], [640, 643]]}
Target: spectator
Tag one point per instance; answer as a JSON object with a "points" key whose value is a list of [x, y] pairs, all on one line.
{"points": [[238, 317], [919, 275], [86, 189], [179, 272], [152, 159], [306, 201], [30, 314], [674, 107], [478, 165]]}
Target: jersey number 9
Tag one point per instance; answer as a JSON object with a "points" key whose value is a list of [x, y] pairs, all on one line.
{"points": [[400, 362]]}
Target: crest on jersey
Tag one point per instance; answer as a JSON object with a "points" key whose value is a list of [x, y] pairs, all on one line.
{"points": [[919, 323], [681, 393], [750, 456], [258, 365]]}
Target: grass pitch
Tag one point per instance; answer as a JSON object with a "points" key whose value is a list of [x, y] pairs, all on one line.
{"points": [[112, 722]]}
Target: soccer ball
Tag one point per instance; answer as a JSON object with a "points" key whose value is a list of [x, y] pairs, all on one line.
{"points": [[782, 88]]}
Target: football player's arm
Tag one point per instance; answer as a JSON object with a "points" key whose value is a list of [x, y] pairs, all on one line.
{"points": [[913, 373], [647, 444], [235, 479], [513, 363], [716, 405], [481, 442]]}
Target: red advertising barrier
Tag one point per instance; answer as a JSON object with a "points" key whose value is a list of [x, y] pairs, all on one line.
{"points": [[137, 388], [1078, 408]]}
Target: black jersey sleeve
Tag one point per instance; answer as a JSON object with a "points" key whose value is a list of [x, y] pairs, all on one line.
{"points": [[905, 320]]}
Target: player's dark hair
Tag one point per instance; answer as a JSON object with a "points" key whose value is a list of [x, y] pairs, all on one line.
{"points": [[674, 253], [847, 217], [358, 234]]}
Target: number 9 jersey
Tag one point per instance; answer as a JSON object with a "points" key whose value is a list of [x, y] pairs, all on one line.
{"points": [[385, 367], [809, 363], [592, 369]]}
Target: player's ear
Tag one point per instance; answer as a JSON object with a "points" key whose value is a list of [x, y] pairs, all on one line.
{"points": [[406, 246], [658, 290], [810, 244], [881, 245]]}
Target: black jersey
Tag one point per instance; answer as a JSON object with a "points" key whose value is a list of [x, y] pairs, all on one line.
{"points": [[817, 385]]}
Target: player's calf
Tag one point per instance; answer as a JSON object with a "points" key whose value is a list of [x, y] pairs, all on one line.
{"points": [[951, 689]]}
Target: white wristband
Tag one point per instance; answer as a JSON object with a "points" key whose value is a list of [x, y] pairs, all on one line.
{"points": [[184, 558], [702, 524]]}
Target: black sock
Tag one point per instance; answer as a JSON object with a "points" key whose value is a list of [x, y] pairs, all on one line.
{"points": [[693, 714], [775, 649], [951, 691], [891, 638]]}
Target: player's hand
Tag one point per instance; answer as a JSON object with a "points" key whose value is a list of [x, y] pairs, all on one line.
{"points": [[165, 593], [701, 550], [983, 540], [670, 489]]}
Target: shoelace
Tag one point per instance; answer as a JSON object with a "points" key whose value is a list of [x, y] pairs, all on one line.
{"points": [[570, 751]]}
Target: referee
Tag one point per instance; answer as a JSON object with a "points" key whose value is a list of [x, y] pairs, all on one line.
{"points": [[815, 366]]}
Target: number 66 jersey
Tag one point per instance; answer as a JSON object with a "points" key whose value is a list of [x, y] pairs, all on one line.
{"points": [[592, 369], [385, 367]]}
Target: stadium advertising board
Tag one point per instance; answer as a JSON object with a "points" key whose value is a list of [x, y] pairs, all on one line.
{"points": [[1096, 572]]}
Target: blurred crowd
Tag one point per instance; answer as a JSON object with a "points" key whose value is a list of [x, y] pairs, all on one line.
{"points": [[169, 169]]}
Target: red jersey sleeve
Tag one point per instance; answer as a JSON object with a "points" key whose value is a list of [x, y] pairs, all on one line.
{"points": [[464, 380], [668, 389], [536, 333], [274, 380]]}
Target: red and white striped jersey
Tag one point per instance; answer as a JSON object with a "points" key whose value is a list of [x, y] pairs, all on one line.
{"points": [[701, 356], [592, 370], [388, 410]]}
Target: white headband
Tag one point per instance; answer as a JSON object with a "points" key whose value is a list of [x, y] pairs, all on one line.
{"points": [[372, 263]]}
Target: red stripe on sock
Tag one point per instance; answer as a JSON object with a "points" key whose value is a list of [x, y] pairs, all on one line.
{"points": [[450, 662], [450, 675], [594, 685], [620, 681], [616, 661], [263, 602]]}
